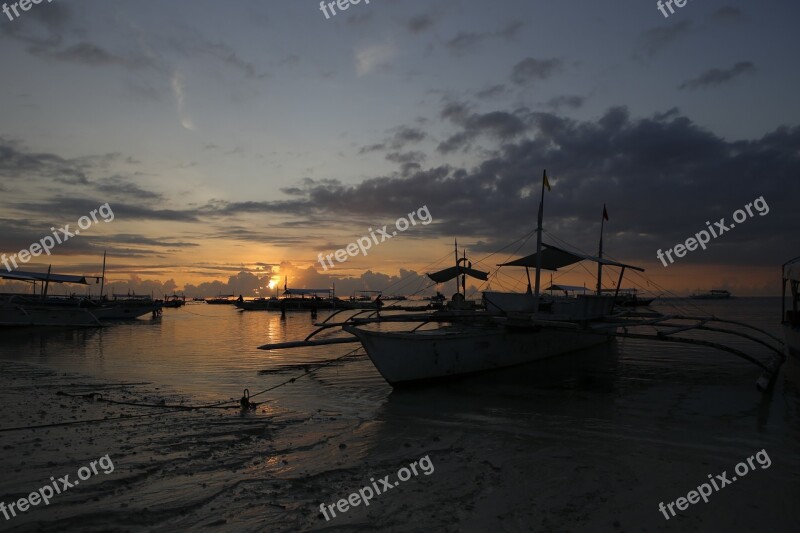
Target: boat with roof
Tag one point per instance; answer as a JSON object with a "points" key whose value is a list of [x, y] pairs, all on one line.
{"points": [[504, 329]]}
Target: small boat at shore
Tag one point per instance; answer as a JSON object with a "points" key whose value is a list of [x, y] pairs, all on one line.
{"points": [[713, 294], [791, 317]]}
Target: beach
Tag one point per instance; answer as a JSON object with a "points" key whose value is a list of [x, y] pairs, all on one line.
{"points": [[592, 441]]}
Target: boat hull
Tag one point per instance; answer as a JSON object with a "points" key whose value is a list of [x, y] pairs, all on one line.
{"points": [[412, 357], [123, 312], [791, 337], [12, 315]]}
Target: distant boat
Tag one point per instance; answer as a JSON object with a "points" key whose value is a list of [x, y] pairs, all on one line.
{"points": [[174, 301], [713, 294], [297, 299], [629, 298], [791, 317], [221, 300]]}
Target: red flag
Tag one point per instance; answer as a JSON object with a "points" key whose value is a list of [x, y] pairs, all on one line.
{"points": [[605, 213]]}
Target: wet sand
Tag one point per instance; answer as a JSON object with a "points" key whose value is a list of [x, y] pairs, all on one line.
{"points": [[554, 446]]}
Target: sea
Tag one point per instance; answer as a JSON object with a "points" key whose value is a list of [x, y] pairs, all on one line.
{"points": [[590, 441]]}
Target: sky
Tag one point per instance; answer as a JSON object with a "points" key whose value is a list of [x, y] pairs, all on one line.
{"points": [[235, 142]]}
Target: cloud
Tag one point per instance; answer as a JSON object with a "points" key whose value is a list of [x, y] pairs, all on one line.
{"points": [[121, 187], [495, 124], [178, 91], [714, 77], [420, 23], [402, 136], [656, 39], [657, 174], [727, 14], [531, 69], [570, 101], [409, 161], [371, 57], [18, 163], [494, 91], [467, 41], [90, 54]]}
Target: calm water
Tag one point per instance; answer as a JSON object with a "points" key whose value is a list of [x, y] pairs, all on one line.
{"points": [[209, 352], [631, 397]]}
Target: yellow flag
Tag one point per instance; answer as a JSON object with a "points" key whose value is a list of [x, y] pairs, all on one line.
{"points": [[546, 183]]}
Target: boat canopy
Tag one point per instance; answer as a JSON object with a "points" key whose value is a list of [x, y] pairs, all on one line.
{"points": [[791, 270], [43, 276], [306, 291], [567, 288], [451, 273], [554, 258]]}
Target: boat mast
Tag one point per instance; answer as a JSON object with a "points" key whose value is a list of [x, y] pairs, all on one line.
{"points": [[539, 244], [600, 253], [456, 256], [464, 276], [103, 279], [46, 282]]}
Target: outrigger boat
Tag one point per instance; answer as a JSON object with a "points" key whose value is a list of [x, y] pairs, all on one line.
{"points": [[791, 317], [73, 310], [515, 328]]}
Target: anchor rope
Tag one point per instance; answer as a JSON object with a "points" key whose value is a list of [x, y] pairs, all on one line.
{"points": [[224, 404]]}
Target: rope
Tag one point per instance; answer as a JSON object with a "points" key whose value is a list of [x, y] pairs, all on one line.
{"points": [[174, 408]]}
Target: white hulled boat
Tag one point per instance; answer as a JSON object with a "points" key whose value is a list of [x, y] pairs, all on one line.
{"points": [[508, 329], [791, 317]]}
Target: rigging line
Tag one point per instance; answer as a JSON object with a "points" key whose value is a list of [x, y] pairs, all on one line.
{"points": [[641, 275], [410, 277], [497, 268]]}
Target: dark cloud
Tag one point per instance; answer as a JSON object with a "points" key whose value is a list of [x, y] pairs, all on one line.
{"points": [[467, 41], [90, 54], [494, 91], [70, 208], [406, 135], [570, 101], [401, 137], [409, 161], [496, 124], [728, 14], [420, 23], [654, 40], [16, 162], [715, 76], [662, 177], [531, 69], [121, 187], [377, 147]]}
